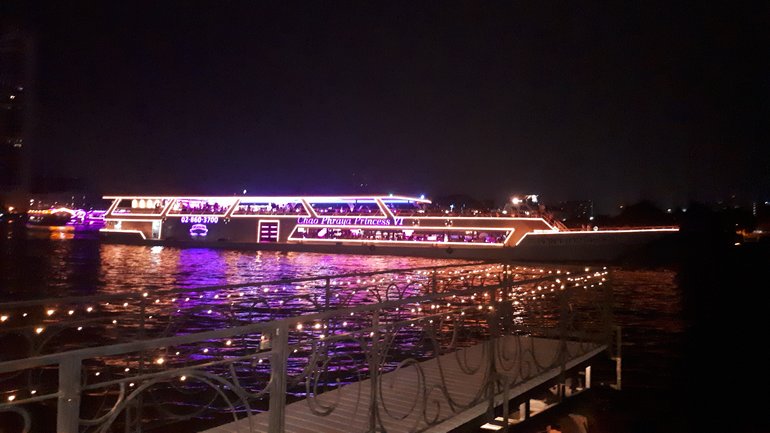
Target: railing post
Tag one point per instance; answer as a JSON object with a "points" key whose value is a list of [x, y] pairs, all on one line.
{"points": [[507, 277], [524, 410], [434, 283], [68, 408], [142, 314], [137, 405], [618, 357], [374, 369], [327, 294], [565, 311], [506, 402], [277, 408], [588, 377]]}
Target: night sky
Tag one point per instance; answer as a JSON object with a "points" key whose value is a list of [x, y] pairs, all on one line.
{"points": [[614, 103]]}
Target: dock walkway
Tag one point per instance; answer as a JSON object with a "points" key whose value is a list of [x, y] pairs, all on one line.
{"points": [[436, 395]]}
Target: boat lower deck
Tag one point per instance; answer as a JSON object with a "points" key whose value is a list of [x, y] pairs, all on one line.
{"points": [[572, 247]]}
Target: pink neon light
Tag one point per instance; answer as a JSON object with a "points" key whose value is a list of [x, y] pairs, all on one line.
{"points": [[273, 199], [406, 227], [426, 243]]}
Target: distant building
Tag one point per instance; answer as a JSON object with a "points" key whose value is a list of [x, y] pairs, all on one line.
{"points": [[573, 213], [72, 201], [16, 50], [56, 191]]}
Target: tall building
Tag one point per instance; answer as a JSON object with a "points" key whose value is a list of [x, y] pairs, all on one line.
{"points": [[16, 57]]}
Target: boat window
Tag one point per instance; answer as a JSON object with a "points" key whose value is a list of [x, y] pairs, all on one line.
{"points": [[349, 207], [405, 208], [270, 207], [140, 206], [202, 206], [486, 236]]}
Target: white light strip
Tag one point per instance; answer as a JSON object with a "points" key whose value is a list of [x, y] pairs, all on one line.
{"points": [[591, 232], [549, 224], [232, 208], [508, 238], [138, 214], [295, 216], [51, 211], [167, 208], [384, 209], [138, 220], [470, 218], [272, 199], [375, 216], [403, 197], [269, 200], [218, 215], [330, 199], [236, 213], [112, 206], [191, 214], [381, 215], [309, 209], [599, 232], [137, 197]]}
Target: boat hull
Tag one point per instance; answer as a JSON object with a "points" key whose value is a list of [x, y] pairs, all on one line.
{"points": [[562, 247]]}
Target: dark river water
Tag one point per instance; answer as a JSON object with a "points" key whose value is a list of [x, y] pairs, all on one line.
{"points": [[694, 331]]}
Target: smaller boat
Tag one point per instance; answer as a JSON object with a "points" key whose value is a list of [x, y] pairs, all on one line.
{"points": [[44, 219], [63, 219]]}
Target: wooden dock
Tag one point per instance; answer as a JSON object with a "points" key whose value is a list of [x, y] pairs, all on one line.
{"points": [[436, 395]]}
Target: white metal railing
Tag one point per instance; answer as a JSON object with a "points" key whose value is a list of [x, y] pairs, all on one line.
{"points": [[446, 311]]}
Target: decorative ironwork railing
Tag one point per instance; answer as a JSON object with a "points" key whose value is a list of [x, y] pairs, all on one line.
{"points": [[197, 358]]}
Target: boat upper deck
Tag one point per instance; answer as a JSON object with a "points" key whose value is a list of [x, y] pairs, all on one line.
{"points": [[376, 206]]}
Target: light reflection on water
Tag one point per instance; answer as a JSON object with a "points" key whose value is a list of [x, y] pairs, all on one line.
{"points": [[81, 267], [648, 306], [647, 303], [42, 268]]}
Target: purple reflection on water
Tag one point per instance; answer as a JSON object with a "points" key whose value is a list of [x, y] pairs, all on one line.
{"points": [[200, 267], [43, 267]]}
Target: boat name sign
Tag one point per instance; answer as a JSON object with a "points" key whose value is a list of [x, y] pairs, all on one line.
{"points": [[360, 221]]}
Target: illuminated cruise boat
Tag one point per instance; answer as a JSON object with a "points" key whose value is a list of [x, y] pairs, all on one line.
{"points": [[380, 224], [64, 219]]}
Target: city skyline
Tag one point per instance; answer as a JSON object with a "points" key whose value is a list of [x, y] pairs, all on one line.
{"points": [[659, 101]]}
